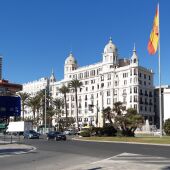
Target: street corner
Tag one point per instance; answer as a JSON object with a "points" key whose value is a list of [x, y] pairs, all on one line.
{"points": [[15, 149]]}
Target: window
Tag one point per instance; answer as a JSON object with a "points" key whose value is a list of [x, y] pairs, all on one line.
{"points": [[135, 89], [124, 99], [108, 93], [130, 99], [86, 82], [141, 108], [92, 81], [115, 92], [125, 82], [140, 74], [135, 71], [108, 84], [92, 87], [85, 97], [92, 96], [109, 77], [149, 77], [124, 91], [144, 76], [108, 101], [135, 106], [72, 98], [102, 78], [135, 99]]}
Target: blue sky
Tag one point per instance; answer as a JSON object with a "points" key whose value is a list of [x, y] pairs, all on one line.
{"points": [[37, 35]]}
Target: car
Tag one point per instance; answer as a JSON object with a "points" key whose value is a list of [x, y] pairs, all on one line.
{"points": [[56, 135], [69, 132], [31, 134]]}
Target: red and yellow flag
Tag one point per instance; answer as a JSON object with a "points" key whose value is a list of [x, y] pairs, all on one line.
{"points": [[154, 36]]}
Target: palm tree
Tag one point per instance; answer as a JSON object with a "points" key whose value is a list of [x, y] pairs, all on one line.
{"points": [[41, 95], [58, 104], [107, 113], [75, 84], [33, 102], [64, 90], [118, 108], [24, 98]]}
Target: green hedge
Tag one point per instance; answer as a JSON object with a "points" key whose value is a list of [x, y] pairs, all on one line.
{"points": [[85, 133], [167, 127]]}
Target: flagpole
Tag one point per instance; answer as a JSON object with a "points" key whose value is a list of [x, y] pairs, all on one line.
{"points": [[159, 63]]}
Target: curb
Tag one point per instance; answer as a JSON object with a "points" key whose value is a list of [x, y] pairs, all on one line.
{"points": [[136, 143]]}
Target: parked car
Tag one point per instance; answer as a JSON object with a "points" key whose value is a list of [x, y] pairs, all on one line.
{"points": [[31, 134], [56, 135], [70, 132]]}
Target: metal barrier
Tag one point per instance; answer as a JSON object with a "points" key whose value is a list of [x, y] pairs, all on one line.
{"points": [[10, 138]]}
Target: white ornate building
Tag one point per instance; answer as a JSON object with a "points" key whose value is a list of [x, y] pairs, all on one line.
{"points": [[111, 80]]}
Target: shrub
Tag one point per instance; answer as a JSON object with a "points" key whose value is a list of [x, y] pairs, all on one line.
{"points": [[109, 131], [105, 131], [167, 127], [85, 133]]}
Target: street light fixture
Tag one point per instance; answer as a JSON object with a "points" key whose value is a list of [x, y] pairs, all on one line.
{"points": [[90, 108], [45, 112]]}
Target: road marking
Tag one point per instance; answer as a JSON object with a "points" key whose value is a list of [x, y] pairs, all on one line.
{"points": [[7, 154], [134, 158]]}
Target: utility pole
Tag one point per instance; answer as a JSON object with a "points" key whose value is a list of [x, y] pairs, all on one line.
{"points": [[45, 112]]}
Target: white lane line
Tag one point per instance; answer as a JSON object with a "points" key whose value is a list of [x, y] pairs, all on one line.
{"points": [[123, 157], [108, 158]]}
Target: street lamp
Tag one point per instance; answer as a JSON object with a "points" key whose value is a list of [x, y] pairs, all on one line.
{"points": [[45, 112], [90, 108]]}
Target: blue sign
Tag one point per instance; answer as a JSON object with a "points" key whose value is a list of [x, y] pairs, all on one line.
{"points": [[10, 106]]}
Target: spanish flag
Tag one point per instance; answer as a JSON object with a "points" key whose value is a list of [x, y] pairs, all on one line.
{"points": [[154, 36]]}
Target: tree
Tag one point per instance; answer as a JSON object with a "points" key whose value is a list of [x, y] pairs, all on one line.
{"points": [[24, 98], [42, 98], [167, 127], [118, 108], [58, 104], [50, 114], [108, 114], [33, 102], [129, 122], [64, 90], [75, 84]]}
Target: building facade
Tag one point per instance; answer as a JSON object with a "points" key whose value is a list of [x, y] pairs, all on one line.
{"points": [[165, 98], [111, 80]]}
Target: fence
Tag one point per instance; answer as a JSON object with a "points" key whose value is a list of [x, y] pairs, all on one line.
{"points": [[10, 138]]}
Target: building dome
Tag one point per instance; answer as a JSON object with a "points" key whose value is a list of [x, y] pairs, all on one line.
{"points": [[110, 47], [70, 59]]}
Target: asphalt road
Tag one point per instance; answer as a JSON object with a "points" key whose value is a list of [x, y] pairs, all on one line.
{"points": [[60, 155]]}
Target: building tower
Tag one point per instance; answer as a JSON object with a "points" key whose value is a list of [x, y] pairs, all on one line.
{"points": [[110, 55], [70, 65]]}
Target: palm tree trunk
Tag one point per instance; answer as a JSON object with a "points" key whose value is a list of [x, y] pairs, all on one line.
{"points": [[77, 109], [23, 111], [65, 101]]}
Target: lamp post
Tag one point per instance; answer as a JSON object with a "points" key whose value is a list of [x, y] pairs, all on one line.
{"points": [[92, 105], [45, 112]]}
